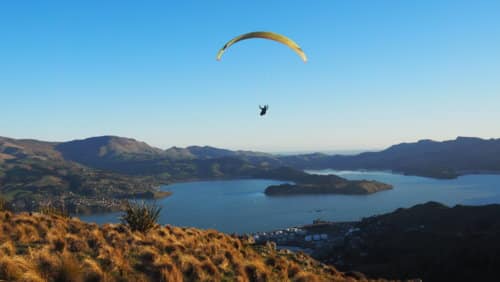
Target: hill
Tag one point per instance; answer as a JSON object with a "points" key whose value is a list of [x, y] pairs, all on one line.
{"points": [[51, 248], [89, 150], [129, 156], [34, 173], [447, 159], [344, 187], [430, 241]]}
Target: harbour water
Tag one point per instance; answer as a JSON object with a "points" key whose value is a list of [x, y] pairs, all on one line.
{"points": [[240, 206]]}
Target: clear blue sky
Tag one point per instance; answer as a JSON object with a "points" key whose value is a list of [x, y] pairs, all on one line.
{"points": [[379, 72]]}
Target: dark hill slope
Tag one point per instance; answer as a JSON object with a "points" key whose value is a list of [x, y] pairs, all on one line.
{"points": [[446, 159], [430, 241]]}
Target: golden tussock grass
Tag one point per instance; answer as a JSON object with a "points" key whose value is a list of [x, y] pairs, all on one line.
{"points": [[49, 247]]}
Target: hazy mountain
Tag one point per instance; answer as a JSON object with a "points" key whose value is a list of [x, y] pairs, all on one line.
{"points": [[124, 155], [107, 147], [207, 152], [445, 159]]}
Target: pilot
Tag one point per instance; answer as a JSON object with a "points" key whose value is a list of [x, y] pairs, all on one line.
{"points": [[263, 110]]}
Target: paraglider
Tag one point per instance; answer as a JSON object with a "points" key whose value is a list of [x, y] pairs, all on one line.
{"points": [[263, 110], [264, 35]]}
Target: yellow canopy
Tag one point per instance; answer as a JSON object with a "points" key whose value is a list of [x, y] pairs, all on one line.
{"points": [[265, 35]]}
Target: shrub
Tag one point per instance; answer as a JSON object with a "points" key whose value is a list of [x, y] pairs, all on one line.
{"points": [[141, 216]]}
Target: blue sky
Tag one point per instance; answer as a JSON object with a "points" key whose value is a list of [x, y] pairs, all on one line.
{"points": [[379, 72]]}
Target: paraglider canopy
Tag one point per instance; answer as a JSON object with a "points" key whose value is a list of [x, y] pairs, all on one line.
{"points": [[265, 35]]}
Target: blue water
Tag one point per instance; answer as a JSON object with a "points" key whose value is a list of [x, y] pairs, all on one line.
{"points": [[241, 206]]}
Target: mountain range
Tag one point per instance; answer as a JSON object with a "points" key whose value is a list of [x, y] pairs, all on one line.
{"points": [[447, 159], [108, 167], [96, 174]]}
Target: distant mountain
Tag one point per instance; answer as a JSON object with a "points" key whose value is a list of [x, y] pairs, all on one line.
{"points": [[125, 155], [446, 159], [207, 152], [95, 149], [176, 153]]}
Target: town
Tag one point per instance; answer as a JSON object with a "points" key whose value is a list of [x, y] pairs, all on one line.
{"points": [[312, 239]]}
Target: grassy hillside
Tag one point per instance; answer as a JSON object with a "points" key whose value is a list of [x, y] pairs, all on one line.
{"points": [[51, 248]]}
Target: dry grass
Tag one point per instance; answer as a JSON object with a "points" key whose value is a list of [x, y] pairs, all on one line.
{"points": [[54, 248]]}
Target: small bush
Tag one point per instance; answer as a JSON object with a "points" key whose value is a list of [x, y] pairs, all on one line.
{"points": [[141, 216]]}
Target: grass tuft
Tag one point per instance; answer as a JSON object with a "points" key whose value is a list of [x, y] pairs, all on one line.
{"points": [[142, 216]]}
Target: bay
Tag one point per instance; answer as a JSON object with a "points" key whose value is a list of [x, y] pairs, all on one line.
{"points": [[240, 206]]}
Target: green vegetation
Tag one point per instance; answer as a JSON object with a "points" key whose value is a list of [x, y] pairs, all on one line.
{"points": [[142, 216]]}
